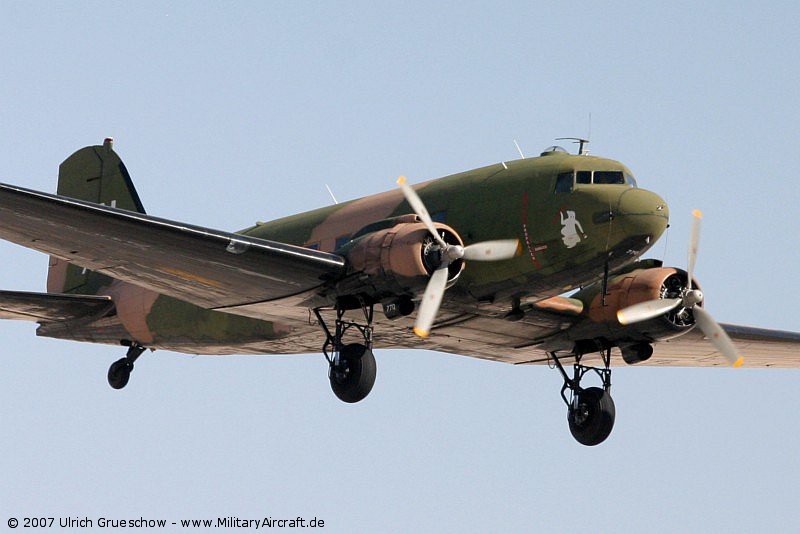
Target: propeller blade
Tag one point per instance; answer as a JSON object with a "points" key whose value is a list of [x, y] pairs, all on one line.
{"points": [[419, 208], [694, 243], [502, 249], [646, 310], [717, 336], [431, 299]]}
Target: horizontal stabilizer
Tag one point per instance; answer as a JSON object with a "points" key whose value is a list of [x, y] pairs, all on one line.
{"points": [[51, 307]]}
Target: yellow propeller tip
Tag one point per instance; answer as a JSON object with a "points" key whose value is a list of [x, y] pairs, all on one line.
{"points": [[698, 214], [401, 180], [620, 317], [421, 333], [739, 362]]}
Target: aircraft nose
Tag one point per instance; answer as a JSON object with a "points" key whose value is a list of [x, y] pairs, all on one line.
{"points": [[643, 213]]}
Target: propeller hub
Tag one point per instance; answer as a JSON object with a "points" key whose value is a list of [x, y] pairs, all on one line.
{"points": [[692, 297], [454, 252], [434, 255]]}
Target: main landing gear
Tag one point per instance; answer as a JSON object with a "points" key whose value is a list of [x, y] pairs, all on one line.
{"points": [[351, 367], [590, 411], [120, 371]]}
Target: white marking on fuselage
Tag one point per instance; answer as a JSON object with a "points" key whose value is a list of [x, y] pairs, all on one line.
{"points": [[570, 227]]}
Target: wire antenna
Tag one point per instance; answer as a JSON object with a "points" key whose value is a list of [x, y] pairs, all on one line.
{"points": [[331, 193], [519, 149], [589, 133]]}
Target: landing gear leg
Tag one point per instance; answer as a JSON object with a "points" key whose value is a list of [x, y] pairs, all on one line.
{"points": [[351, 367], [590, 411], [120, 371]]}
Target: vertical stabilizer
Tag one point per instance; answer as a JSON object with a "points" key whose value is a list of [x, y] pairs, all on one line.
{"points": [[96, 174]]}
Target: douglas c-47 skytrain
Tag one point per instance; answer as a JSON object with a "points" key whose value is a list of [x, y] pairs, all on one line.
{"points": [[534, 261]]}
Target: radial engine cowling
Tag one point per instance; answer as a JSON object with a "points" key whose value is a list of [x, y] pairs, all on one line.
{"points": [[631, 288], [399, 260]]}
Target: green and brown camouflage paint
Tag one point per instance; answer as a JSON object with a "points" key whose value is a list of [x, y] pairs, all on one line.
{"points": [[514, 199]]}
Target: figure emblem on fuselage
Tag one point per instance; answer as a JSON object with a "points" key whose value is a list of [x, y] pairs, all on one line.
{"points": [[571, 229]]}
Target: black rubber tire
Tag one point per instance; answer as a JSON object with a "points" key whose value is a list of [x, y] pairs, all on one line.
{"points": [[360, 369], [595, 419], [119, 373]]}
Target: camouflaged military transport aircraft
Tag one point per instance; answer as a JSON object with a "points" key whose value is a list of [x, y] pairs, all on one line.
{"points": [[474, 264]]}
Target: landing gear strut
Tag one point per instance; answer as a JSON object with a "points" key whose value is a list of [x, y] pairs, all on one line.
{"points": [[351, 367], [120, 371], [590, 411]]}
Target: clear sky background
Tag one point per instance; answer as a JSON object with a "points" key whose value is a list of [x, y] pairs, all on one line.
{"points": [[230, 113]]}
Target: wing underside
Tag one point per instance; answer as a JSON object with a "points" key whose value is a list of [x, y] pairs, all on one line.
{"points": [[206, 267], [760, 348], [489, 336]]}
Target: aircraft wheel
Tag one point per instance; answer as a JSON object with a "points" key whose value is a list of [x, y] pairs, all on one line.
{"points": [[352, 379], [119, 373], [591, 422]]}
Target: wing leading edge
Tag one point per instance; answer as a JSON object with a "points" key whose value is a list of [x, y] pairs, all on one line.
{"points": [[209, 268]]}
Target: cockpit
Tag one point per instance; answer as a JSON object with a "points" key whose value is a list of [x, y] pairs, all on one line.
{"points": [[567, 181]]}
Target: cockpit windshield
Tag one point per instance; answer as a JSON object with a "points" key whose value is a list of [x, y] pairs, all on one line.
{"points": [[608, 177], [567, 180]]}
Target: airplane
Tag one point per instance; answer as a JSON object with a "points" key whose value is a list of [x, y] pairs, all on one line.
{"points": [[529, 262]]}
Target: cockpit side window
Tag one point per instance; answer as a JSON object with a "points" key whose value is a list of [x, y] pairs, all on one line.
{"points": [[604, 178], [564, 182], [608, 177]]}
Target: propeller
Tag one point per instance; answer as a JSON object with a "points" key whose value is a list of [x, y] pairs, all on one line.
{"points": [[497, 250], [690, 298]]}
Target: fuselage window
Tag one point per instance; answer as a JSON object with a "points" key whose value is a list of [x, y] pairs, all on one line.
{"points": [[630, 180], [564, 182], [608, 177], [583, 177]]}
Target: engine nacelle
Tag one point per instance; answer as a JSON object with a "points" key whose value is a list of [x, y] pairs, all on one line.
{"points": [[399, 260], [601, 326]]}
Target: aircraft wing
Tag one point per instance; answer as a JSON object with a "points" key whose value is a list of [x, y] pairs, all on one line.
{"points": [[51, 307], [209, 268], [759, 347], [494, 338]]}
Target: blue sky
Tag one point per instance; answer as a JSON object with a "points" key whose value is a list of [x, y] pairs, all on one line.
{"points": [[230, 113]]}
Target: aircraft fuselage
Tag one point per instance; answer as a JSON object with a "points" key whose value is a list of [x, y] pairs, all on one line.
{"points": [[568, 231]]}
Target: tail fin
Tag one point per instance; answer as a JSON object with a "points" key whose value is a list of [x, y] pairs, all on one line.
{"points": [[97, 174]]}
